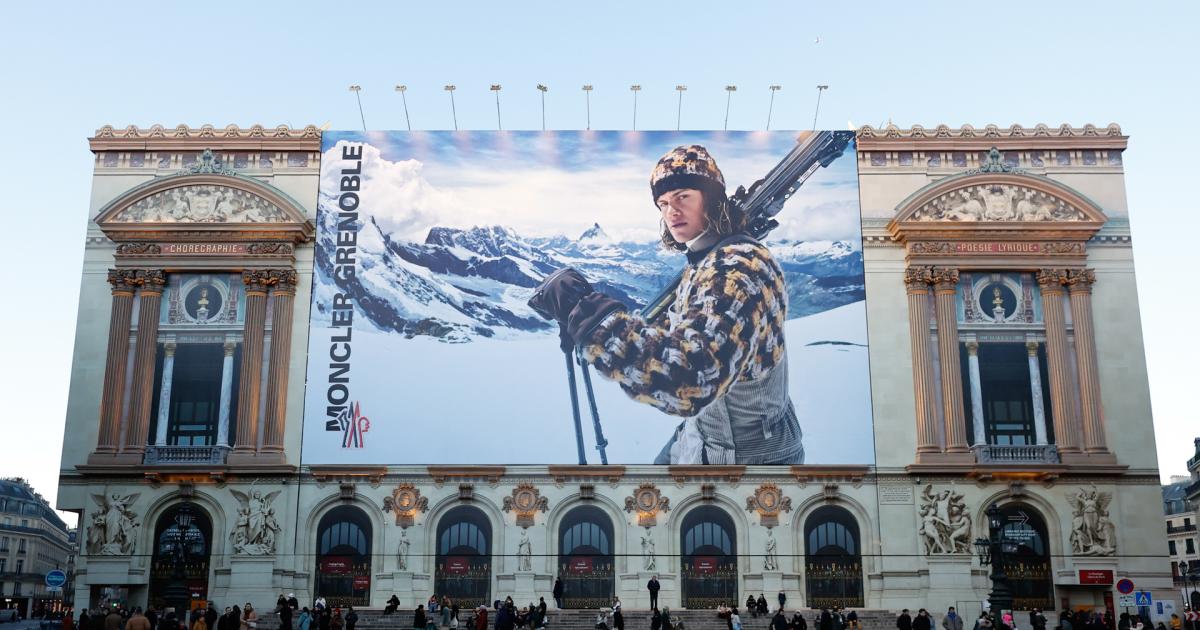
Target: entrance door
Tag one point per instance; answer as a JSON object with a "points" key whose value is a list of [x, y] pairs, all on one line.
{"points": [[1027, 557], [463, 564], [833, 559], [179, 566], [344, 557], [585, 558], [709, 563]]}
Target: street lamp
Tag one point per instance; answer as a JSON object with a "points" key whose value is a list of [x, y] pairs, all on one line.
{"points": [[635, 88], [177, 592], [587, 93], [991, 552]]}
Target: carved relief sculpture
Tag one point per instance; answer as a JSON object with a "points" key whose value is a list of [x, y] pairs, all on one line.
{"points": [[113, 529], [945, 522], [997, 203], [256, 527], [1092, 532], [768, 501], [202, 203], [526, 500], [647, 501], [406, 501]]}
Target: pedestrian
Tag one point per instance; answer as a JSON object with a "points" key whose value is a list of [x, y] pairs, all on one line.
{"points": [[751, 607], [952, 621], [112, 621], [852, 619], [305, 620], [798, 621], [735, 620], [293, 602], [393, 603], [558, 592], [351, 618], [904, 621], [779, 621], [324, 618], [84, 621], [782, 597], [249, 617], [337, 622], [235, 618], [618, 618], [285, 616], [280, 602], [922, 622], [825, 620], [210, 616], [445, 611], [762, 605], [653, 586], [481, 618], [152, 617], [138, 621], [984, 622], [198, 622], [666, 618], [732, 296]]}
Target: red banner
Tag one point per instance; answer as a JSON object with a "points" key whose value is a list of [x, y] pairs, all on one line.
{"points": [[457, 566], [580, 565], [334, 565], [1096, 576], [704, 564], [362, 582]]}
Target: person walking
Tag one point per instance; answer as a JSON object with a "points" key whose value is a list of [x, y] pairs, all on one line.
{"points": [[952, 621], [904, 621], [779, 621], [735, 620], [558, 592], [351, 618], [138, 621], [285, 617], [305, 620], [653, 586], [337, 622], [922, 621]]}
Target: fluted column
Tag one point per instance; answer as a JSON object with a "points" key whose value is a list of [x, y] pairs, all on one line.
{"points": [[141, 393], [123, 282], [1091, 414], [916, 281], [1066, 426], [977, 419], [250, 379], [164, 394], [1035, 386], [945, 289], [283, 293]]}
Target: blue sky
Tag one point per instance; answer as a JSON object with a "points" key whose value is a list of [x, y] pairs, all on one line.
{"points": [[69, 68]]}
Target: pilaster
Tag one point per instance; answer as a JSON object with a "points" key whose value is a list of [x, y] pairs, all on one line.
{"points": [[151, 284], [1079, 283], [945, 281], [283, 292], [1066, 423], [124, 282], [916, 281], [246, 444]]}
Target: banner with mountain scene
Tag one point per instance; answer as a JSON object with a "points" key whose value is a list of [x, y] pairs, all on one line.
{"points": [[423, 349]]}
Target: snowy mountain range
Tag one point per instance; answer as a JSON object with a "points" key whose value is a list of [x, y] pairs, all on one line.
{"points": [[462, 284]]}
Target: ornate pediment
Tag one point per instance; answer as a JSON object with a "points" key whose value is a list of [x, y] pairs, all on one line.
{"points": [[201, 203], [997, 202]]}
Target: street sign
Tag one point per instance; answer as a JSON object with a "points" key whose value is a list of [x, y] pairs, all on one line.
{"points": [[1143, 598], [55, 579], [1125, 586], [1125, 601]]}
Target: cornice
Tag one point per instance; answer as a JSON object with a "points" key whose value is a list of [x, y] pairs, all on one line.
{"points": [[967, 137], [158, 137]]}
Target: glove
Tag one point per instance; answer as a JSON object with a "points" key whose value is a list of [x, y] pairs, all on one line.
{"points": [[559, 293], [592, 309]]}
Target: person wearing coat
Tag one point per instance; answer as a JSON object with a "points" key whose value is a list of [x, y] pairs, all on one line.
{"points": [[285, 617], [922, 622], [655, 619], [351, 618], [779, 622], [904, 621], [337, 622], [481, 615], [558, 592], [798, 622], [952, 621], [305, 620], [419, 617]]}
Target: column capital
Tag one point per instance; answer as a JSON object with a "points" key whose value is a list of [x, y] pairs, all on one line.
{"points": [[1080, 280], [123, 281], [1051, 279], [1031, 347], [150, 280], [229, 347], [255, 280], [945, 278], [917, 279], [972, 348], [169, 349], [282, 281]]}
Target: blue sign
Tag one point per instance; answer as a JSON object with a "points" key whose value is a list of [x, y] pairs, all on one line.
{"points": [[1143, 598], [56, 578]]}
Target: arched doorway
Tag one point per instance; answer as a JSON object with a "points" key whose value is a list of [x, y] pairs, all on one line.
{"points": [[709, 570], [1027, 557], [344, 557], [833, 559], [464, 558], [179, 566], [585, 558]]}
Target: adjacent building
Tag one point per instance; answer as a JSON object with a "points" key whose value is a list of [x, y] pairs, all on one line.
{"points": [[1006, 368], [33, 541], [1181, 506]]}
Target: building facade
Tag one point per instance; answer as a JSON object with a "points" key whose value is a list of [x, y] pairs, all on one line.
{"points": [[1006, 367], [33, 541], [1181, 507]]}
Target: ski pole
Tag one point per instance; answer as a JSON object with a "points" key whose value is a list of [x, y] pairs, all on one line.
{"points": [[575, 407], [601, 443]]}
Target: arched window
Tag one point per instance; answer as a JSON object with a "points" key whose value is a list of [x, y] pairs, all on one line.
{"points": [[1027, 557], [585, 558], [833, 559], [708, 540], [344, 557], [464, 560], [182, 545]]}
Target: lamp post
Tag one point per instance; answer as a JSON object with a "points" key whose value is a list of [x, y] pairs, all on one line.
{"points": [[356, 88], [177, 592], [403, 99], [587, 93], [992, 552], [635, 88], [679, 110], [453, 111], [729, 90], [771, 107], [543, 89]]}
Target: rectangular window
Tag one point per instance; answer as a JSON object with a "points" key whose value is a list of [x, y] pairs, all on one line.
{"points": [[21, 546], [194, 410], [1191, 545], [4, 543], [1007, 393], [1171, 547], [20, 565], [3, 564], [1187, 521]]}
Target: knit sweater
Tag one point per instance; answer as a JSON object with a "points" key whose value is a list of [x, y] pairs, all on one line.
{"points": [[725, 326]]}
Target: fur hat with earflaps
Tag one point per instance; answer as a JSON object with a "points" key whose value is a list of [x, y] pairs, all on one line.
{"points": [[688, 166]]}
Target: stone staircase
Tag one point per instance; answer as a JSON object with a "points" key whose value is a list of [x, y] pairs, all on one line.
{"points": [[374, 619]]}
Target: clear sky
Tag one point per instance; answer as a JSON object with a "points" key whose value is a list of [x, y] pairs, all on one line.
{"points": [[68, 68]]}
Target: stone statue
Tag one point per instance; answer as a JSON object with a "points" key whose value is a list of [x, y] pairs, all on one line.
{"points": [[402, 552], [524, 553], [1092, 532], [770, 561], [650, 562], [945, 522], [112, 531], [255, 529]]}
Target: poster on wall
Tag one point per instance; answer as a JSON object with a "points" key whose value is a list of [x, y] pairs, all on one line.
{"points": [[588, 297]]}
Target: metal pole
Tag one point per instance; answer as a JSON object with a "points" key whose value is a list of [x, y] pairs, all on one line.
{"points": [[587, 91], [679, 110], [541, 88], [575, 408], [771, 107], [729, 90], [356, 89], [496, 88], [635, 89], [453, 111], [402, 89], [601, 442], [820, 88]]}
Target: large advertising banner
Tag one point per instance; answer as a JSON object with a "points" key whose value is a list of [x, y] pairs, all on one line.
{"points": [[599, 297]]}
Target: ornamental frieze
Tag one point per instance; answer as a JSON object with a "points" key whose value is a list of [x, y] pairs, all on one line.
{"points": [[526, 500], [997, 203], [1003, 248], [405, 502], [201, 203], [768, 500], [647, 501]]}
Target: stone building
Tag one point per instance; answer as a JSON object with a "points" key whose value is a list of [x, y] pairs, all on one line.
{"points": [[33, 541], [1006, 367], [1181, 509]]}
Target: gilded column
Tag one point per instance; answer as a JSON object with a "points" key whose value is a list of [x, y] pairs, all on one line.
{"points": [[123, 282], [252, 359], [977, 421], [141, 394], [1066, 426], [1079, 283], [1035, 386], [916, 281], [283, 293], [945, 288]]}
